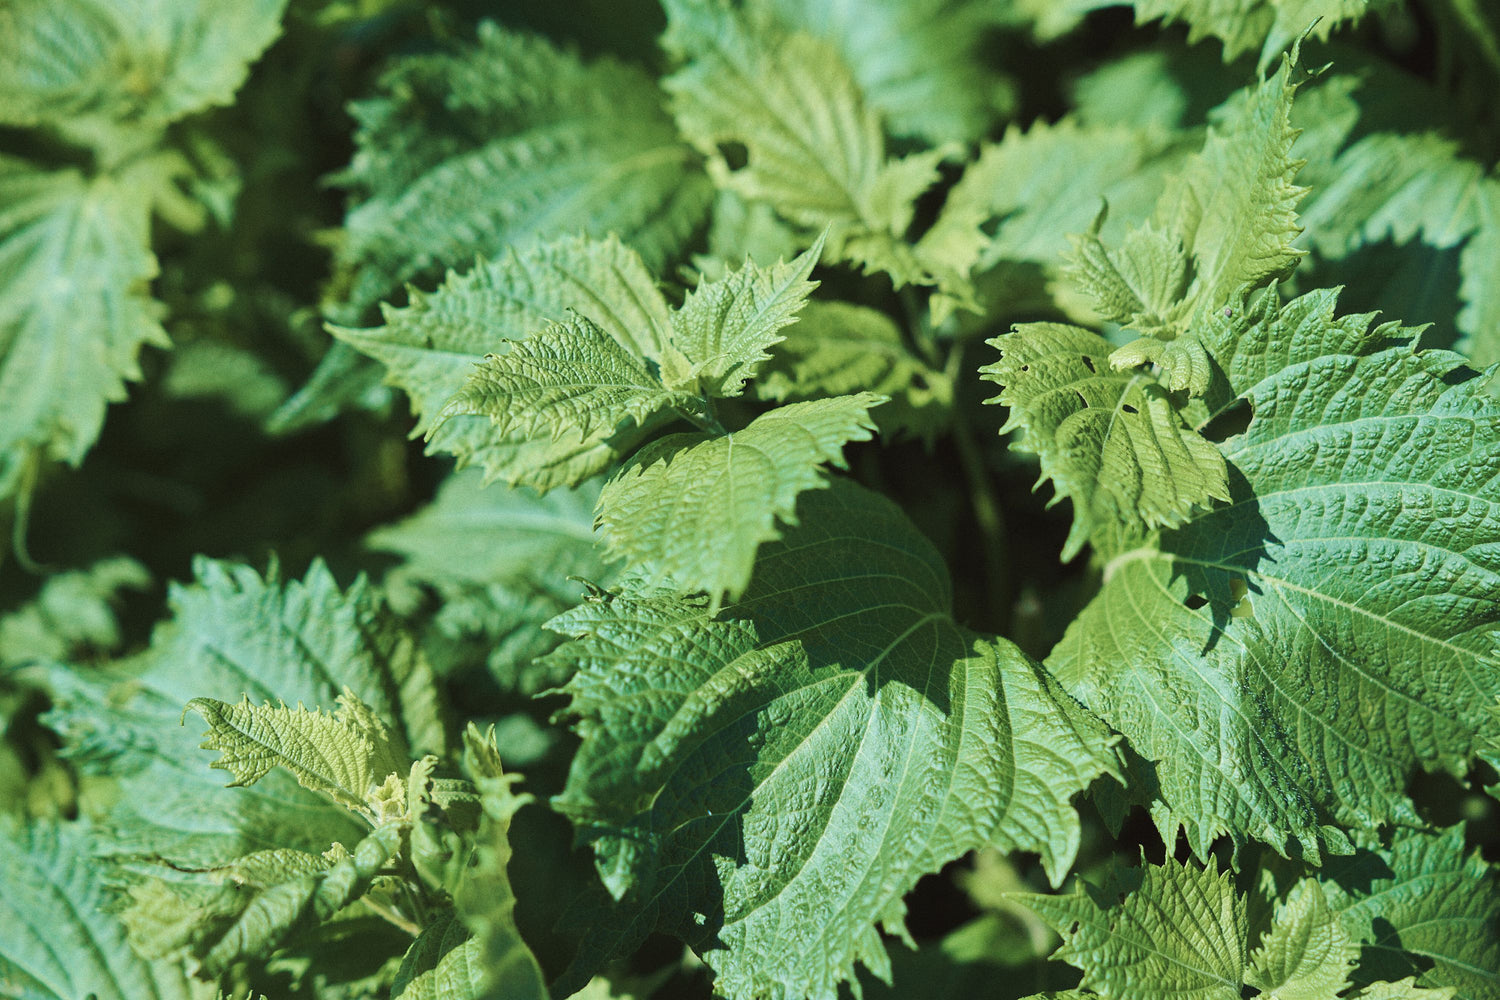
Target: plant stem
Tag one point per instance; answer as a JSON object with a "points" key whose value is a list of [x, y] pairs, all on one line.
{"points": [[990, 518]]}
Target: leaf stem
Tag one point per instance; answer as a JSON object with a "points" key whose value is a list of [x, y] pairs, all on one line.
{"points": [[392, 916]]}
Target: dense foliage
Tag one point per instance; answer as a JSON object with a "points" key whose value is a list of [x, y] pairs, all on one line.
{"points": [[504, 502]]}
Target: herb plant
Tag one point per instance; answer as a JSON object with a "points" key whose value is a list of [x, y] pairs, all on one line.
{"points": [[922, 498]]}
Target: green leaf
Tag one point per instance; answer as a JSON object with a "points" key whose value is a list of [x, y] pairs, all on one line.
{"points": [[1046, 182], [570, 384], [483, 534], [430, 346], [235, 635], [1112, 442], [1225, 222], [730, 491], [444, 964], [486, 900], [503, 143], [61, 941], [1247, 25], [1425, 907], [347, 755], [1175, 930], [74, 313], [814, 148], [725, 326], [917, 63], [81, 64], [211, 927], [837, 348], [75, 613], [1307, 954], [1357, 550], [769, 782]]}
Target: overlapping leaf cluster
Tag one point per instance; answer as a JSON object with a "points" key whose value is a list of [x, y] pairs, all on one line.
{"points": [[683, 320]]}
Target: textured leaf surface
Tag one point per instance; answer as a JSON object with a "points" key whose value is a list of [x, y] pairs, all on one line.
{"points": [[213, 926], [139, 62], [768, 783], [815, 150], [235, 635], [432, 345], [505, 142], [1250, 25], [1428, 907], [1177, 930], [1225, 221], [59, 941], [345, 755], [1180, 931], [74, 313], [1112, 442], [570, 383], [724, 328], [1307, 954], [837, 348], [1293, 655], [729, 491]]}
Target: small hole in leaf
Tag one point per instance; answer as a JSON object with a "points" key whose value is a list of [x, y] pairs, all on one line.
{"points": [[1229, 423], [1088, 363], [735, 154], [1194, 602], [1128, 408], [1026, 368]]}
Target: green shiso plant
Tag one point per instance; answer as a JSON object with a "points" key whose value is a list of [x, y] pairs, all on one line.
{"points": [[761, 499]]}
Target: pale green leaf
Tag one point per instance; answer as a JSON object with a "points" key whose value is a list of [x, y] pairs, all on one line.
{"points": [[571, 384], [1048, 181], [1266, 26], [837, 348], [75, 613], [1278, 657], [1112, 442], [1402, 989], [505, 142], [486, 534], [728, 491], [768, 783], [74, 313], [1307, 954], [814, 148], [60, 940], [918, 64], [1393, 186], [1426, 907], [1226, 221], [430, 346], [1178, 932], [127, 62], [444, 963], [222, 918], [725, 326], [1479, 264], [235, 635], [485, 900], [346, 755], [500, 563]]}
